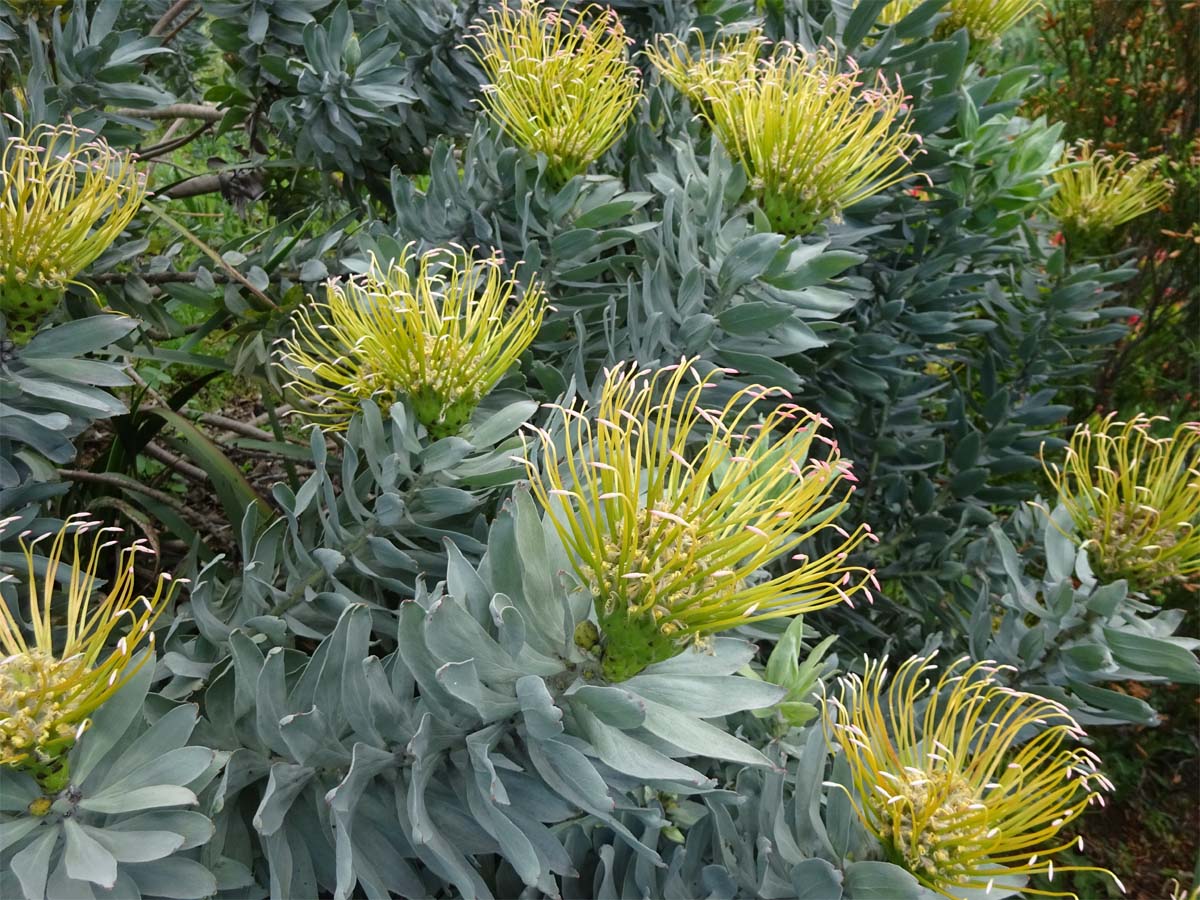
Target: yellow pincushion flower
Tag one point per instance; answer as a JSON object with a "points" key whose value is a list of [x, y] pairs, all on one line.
{"points": [[670, 510], [1134, 498], [565, 89], [1098, 191], [986, 21], [812, 138], [965, 782], [700, 75], [65, 196], [442, 337], [51, 684]]}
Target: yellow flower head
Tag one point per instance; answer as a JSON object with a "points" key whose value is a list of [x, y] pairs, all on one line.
{"points": [[53, 680], [565, 89], [813, 139], [65, 196], [965, 782], [1134, 497], [1097, 191], [670, 510], [442, 337], [699, 76], [986, 21]]}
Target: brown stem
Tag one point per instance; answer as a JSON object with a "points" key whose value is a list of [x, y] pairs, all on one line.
{"points": [[165, 147], [172, 13], [201, 111], [182, 25], [186, 469], [218, 421]]}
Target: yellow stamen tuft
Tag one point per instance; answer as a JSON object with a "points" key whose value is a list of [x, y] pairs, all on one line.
{"points": [[565, 89], [1097, 191], [443, 337], [812, 138], [1134, 498], [65, 196], [964, 781], [51, 684], [670, 509]]}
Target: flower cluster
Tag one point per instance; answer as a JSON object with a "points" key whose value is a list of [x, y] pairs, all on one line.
{"points": [[671, 509], [442, 337], [964, 781], [565, 89], [52, 683], [65, 196], [1098, 191], [1134, 497], [813, 138]]}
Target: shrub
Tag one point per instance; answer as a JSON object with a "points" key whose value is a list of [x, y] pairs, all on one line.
{"points": [[619, 364]]}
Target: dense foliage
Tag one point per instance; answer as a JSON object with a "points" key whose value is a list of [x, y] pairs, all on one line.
{"points": [[489, 387]]}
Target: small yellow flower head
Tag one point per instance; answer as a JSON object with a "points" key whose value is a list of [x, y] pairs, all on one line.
{"points": [[986, 21], [442, 337], [1097, 191], [670, 509], [813, 139], [699, 76], [965, 782], [52, 683], [565, 89], [1134, 497], [65, 196]]}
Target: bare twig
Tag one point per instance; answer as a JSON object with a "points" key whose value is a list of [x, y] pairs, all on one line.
{"points": [[173, 12], [165, 147], [182, 25], [114, 479], [202, 111], [218, 421], [184, 468]]}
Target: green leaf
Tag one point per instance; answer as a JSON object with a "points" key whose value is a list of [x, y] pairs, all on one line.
{"points": [[235, 492], [176, 878], [32, 864], [872, 880], [136, 846], [1153, 655], [86, 859], [80, 336]]}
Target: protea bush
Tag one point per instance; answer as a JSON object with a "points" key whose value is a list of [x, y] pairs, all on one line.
{"points": [[544, 405]]}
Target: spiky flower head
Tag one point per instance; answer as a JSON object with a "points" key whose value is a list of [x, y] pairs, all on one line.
{"points": [[65, 197], [671, 509], [1134, 497], [56, 673], [699, 75], [1098, 191], [986, 21], [965, 781], [812, 137], [558, 87], [441, 336]]}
